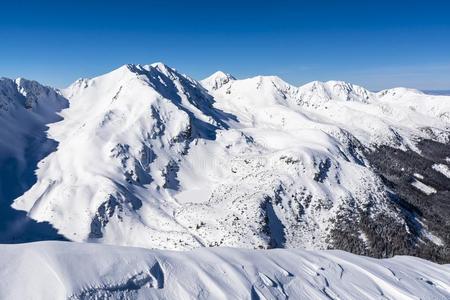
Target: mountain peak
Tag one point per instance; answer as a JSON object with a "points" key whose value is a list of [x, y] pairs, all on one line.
{"points": [[125, 72], [162, 67], [222, 74], [217, 80], [336, 90], [398, 92], [141, 68]]}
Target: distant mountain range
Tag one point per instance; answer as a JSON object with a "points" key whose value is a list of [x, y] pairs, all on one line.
{"points": [[146, 156], [437, 92]]}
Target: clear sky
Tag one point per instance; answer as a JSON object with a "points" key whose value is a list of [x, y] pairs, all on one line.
{"points": [[377, 44]]}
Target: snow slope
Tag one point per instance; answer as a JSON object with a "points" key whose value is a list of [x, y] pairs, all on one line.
{"points": [[61, 270], [152, 158]]}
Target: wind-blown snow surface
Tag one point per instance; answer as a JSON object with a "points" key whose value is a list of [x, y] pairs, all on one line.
{"points": [[61, 270], [150, 157]]}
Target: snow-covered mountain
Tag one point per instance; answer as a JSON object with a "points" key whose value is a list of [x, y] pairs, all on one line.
{"points": [[26, 110], [149, 157], [217, 80], [112, 272]]}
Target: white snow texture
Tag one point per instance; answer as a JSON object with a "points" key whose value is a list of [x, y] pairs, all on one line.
{"points": [[62, 270]]}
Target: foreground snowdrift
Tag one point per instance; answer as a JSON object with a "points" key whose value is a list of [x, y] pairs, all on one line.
{"points": [[57, 270]]}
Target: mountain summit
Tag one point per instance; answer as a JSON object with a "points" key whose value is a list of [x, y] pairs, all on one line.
{"points": [[217, 80]]}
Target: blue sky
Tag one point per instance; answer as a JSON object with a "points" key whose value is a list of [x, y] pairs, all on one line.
{"points": [[377, 44]]}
